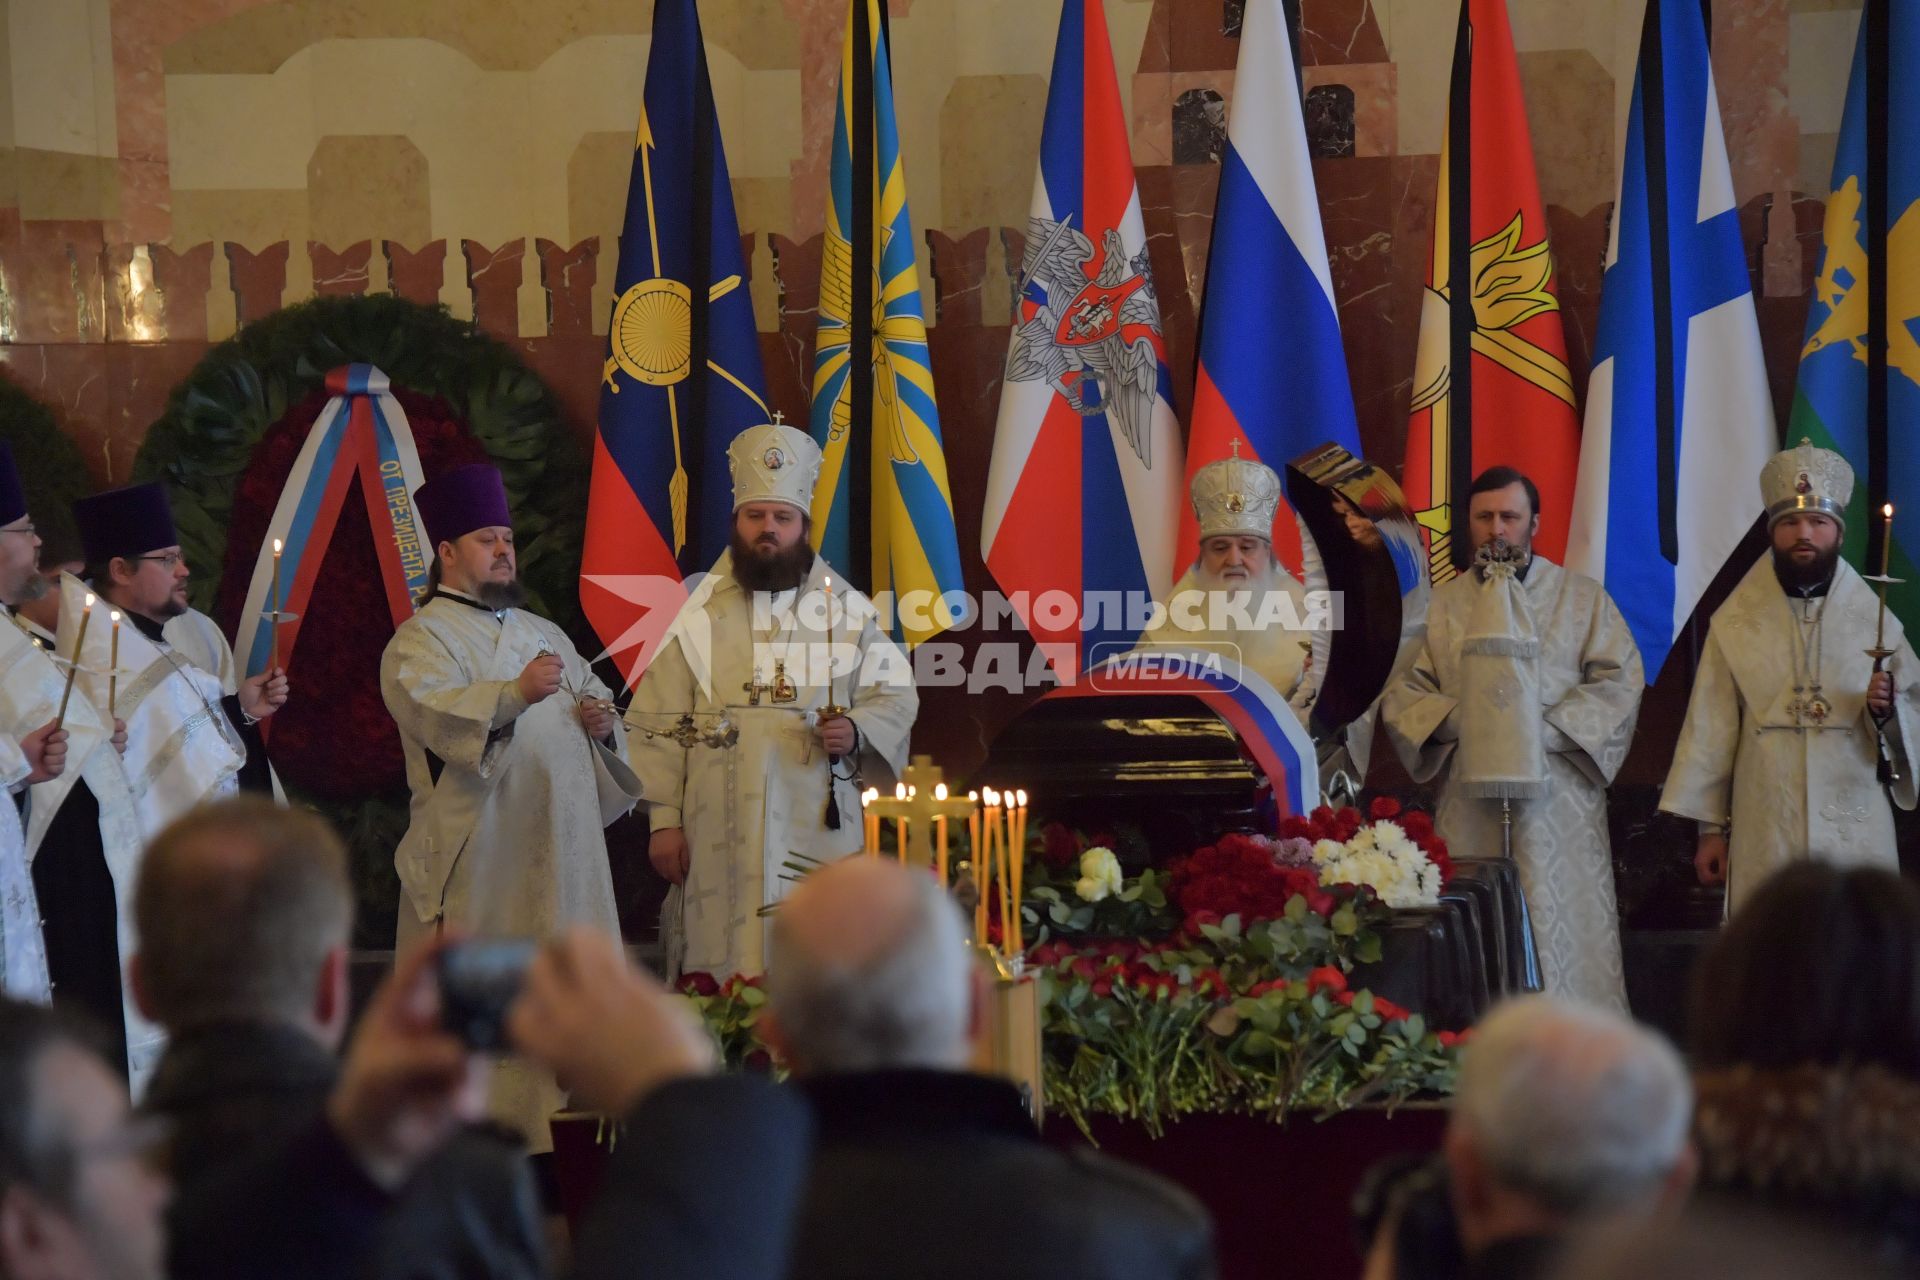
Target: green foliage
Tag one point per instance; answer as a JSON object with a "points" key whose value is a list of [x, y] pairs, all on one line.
{"points": [[50, 466], [204, 440]]}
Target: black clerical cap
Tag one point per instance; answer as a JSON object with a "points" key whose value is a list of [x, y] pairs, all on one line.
{"points": [[125, 522], [13, 494]]}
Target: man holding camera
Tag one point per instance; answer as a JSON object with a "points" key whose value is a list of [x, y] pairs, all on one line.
{"points": [[515, 757]]}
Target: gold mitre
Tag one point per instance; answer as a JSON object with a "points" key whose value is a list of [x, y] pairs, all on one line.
{"points": [[1236, 496], [773, 462], [1806, 479]]}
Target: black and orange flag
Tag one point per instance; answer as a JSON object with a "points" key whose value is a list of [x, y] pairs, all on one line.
{"points": [[1490, 384]]}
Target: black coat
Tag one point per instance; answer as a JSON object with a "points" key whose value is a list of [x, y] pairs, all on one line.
{"points": [[702, 1186], [936, 1174], [240, 1095]]}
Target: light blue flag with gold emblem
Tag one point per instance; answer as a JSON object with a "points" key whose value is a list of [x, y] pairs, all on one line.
{"points": [[883, 510], [1859, 386]]}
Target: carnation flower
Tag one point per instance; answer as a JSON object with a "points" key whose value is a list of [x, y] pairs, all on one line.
{"points": [[1293, 851], [1100, 876]]}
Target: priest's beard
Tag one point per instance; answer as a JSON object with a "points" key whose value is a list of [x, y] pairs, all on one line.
{"points": [[501, 595], [1257, 581], [30, 588], [1798, 575], [763, 566]]}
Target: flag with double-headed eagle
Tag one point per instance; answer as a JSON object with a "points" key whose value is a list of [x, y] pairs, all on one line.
{"points": [[1490, 384], [883, 509], [1859, 387], [1679, 417], [682, 375], [1084, 491], [1278, 389]]}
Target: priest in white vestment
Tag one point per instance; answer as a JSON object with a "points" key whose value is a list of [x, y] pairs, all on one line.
{"points": [[193, 730], [70, 920], [1236, 599], [515, 757], [744, 797], [1562, 706], [1779, 755]]}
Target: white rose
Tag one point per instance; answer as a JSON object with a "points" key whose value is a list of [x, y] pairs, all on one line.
{"points": [[1099, 874]]}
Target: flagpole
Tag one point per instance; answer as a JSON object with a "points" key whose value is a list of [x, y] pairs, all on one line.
{"points": [[1873, 231], [1460, 288], [859, 454], [696, 556]]}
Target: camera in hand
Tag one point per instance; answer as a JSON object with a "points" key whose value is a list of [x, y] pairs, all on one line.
{"points": [[478, 982]]}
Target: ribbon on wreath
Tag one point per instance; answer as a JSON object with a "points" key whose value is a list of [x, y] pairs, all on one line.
{"points": [[361, 437]]}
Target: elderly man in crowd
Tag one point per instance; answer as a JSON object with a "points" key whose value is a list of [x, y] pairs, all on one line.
{"points": [[875, 1002], [1567, 1117]]}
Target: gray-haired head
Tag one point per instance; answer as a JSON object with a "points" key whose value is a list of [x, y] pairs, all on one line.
{"points": [[1579, 1109], [238, 907], [869, 970]]}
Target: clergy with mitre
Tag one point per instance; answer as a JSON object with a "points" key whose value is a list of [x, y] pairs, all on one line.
{"points": [[166, 669], [515, 757], [1777, 760], [82, 837], [1236, 599], [1521, 704], [773, 647]]}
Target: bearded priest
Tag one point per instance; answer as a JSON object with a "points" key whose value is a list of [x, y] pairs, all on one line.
{"points": [[1778, 757], [515, 758], [1521, 704], [193, 723], [1236, 600], [82, 836], [763, 646]]}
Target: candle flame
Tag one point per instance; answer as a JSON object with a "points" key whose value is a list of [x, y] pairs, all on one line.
{"points": [[974, 796], [1887, 511], [992, 797], [912, 792], [276, 546], [115, 615], [939, 791], [899, 791], [1020, 799], [89, 599]]}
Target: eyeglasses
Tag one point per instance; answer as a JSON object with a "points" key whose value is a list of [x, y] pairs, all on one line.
{"points": [[169, 561], [26, 529]]}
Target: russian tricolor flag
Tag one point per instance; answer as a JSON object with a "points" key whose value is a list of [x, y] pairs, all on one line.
{"points": [[1272, 371], [1085, 487]]}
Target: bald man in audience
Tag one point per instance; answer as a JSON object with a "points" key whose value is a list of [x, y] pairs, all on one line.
{"points": [[1566, 1118], [875, 1004]]}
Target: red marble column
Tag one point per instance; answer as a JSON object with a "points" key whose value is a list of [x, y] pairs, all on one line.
{"points": [[494, 276]]}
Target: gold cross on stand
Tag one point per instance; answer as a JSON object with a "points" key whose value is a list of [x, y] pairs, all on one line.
{"points": [[924, 800]]}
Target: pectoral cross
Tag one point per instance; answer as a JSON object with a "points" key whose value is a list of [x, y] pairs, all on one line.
{"points": [[754, 688], [783, 690]]}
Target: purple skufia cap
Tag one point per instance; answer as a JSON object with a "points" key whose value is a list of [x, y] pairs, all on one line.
{"points": [[125, 522], [459, 501], [13, 494]]}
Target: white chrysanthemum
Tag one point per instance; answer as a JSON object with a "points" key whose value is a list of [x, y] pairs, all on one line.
{"points": [[1100, 876]]}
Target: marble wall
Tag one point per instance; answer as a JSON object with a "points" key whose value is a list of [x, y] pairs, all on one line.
{"points": [[170, 169]]}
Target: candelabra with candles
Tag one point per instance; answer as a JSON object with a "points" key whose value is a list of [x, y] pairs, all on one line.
{"points": [[922, 810]]}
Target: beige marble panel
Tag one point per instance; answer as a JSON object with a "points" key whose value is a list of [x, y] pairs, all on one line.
{"points": [[499, 35], [368, 188], [55, 48], [989, 136], [597, 174], [1569, 108], [64, 186], [1819, 61]]}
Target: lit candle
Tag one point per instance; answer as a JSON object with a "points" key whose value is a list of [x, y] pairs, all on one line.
{"points": [[79, 647], [940, 835], [1886, 550], [985, 866], [1002, 867], [113, 667], [871, 820], [1019, 849], [973, 857], [831, 700], [900, 823], [276, 605]]}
